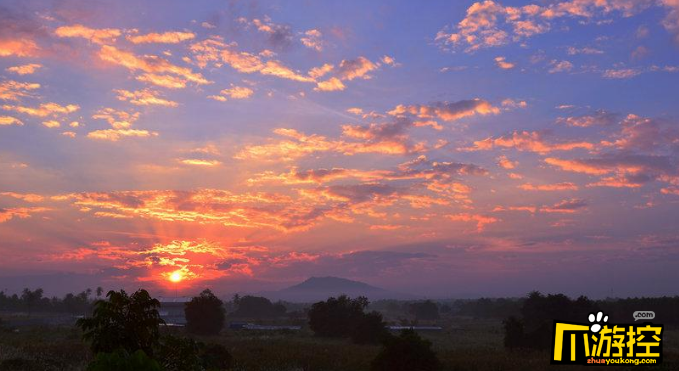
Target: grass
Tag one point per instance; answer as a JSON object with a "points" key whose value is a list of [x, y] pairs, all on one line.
{"points": [[465, 344]]}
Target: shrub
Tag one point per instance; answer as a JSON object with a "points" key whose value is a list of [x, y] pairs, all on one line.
{"points": [[180, 354], [406, 352], [204, 314], [216, 357], [121, 360], [123, 322]]}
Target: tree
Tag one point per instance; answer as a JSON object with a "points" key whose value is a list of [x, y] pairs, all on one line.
{"points": [[204, 314], [99, 291], [257, 307], [406, 352], [369, 329], [127, 322], [336, 317], [425, 310], [31, 298]]}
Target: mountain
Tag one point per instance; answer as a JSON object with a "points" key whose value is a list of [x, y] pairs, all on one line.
{"points": [[320, 288]]}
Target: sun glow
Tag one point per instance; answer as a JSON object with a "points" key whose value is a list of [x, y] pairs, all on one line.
{"points": [[176, 277]]}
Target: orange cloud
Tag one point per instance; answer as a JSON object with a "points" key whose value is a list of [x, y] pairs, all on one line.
{"points": [[173, 37], [480, 220], [332, 84], [566, 186], [44, 110], [149, 63], [28, 197], [116, 134], [19, 212], [25, 69], [97, 36], [116, 118], [13, 90], [8, 120], [144, 97], [18, 47], [447, 111], [502, 63], [527, 141], [566, 206]]}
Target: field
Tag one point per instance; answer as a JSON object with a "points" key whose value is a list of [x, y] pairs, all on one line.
{"points": [[464, 344]]}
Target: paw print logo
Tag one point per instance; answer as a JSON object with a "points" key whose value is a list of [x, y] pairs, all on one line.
{"points": [[596, 321]]}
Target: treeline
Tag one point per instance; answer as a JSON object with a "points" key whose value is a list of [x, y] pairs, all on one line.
{"points": [[32, 301], [533, 326]]}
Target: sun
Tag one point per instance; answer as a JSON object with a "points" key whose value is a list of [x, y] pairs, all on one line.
{"points": [[176, 276]]}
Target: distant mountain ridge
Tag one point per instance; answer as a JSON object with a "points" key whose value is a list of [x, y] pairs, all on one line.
{"points": [[321, 288]]}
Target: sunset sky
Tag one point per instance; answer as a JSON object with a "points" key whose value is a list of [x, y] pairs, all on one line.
{"points": [[441, 148]]}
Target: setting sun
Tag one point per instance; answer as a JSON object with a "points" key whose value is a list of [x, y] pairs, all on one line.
{"points": [[176, 277]]}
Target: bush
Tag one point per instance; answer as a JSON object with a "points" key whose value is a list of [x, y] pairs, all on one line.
{"points": [[406, 352], [123, 361], [184, 354], [123, 322], [216, 357], [514, 336], [369, 329], [204, 314], [180, 354]]}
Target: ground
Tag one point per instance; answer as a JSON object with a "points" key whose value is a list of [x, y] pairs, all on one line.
{"points": [[465, 344]]}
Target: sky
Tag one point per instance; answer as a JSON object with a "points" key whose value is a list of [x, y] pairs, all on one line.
{"points": [[442, 148]]}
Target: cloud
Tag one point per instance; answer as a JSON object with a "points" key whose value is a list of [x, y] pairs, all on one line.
{"points": [[481, 220], [527, 141], [586, 50], [505, 163], [490, 24], [569, 206], [24, 69], [116, 118], [114, 135], [200, 162], [7, 214], [171, 37], [51, 124], [502, 63], [565, 186], [332, 84], [355, 68], [235, 92], [279, 35], [318, 72], [149, 63], [623, 73], [598, 118], [560, 66], [165, 81], [8, 120], [28, 197], [14, 90], [44, 110], [96, 36], [312, 39], [144, 97], [447, 111]]}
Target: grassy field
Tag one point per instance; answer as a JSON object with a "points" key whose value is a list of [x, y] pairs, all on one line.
{"points": [[465, 344]]}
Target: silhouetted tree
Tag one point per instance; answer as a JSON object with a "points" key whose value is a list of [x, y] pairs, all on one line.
{"points": [[100, 291], [425, 310], [257, 307], [128, 322], [369, 329], [336, 317], [204, 314], [406, 352]]}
